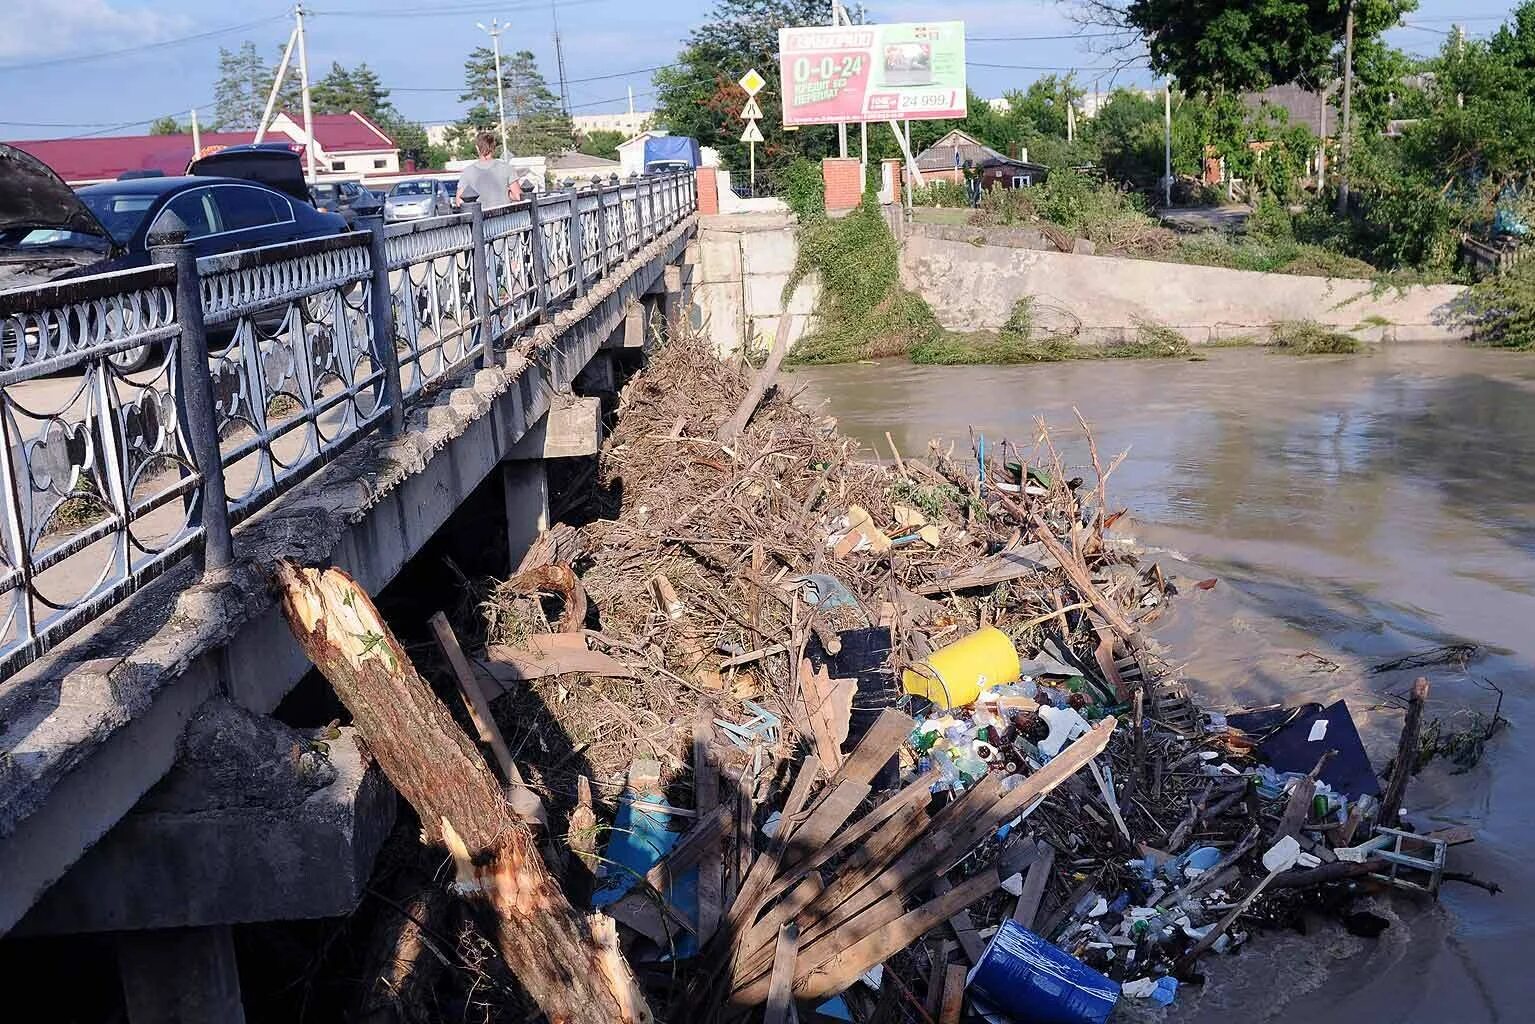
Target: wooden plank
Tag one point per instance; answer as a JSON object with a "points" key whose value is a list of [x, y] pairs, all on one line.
{"points": [[1011, 564], [761, 934], [525, 802], [750, 898], [935, 978], [839, 970], [953, 994], [964, 928], [706, 797], [882, 742], [874, 919], [873, 857], [827, 704], [691, 849], [1406, 755], [1026, 912], [830, 814], [780, 998], [918, 793]]}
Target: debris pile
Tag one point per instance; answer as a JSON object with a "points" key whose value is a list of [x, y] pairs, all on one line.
{"points": [[878, 742]]}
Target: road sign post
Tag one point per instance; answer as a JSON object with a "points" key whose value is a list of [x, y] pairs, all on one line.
{"points": [[752, 83]]}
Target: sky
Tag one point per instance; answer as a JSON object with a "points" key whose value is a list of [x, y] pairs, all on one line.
{"points": [[60, 78]]}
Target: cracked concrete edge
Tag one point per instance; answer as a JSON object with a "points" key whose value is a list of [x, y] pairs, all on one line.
{"points": [[307, 525]]}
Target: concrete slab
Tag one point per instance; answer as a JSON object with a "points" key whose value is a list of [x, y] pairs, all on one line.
{"points": [[253, 824], [180, 976], [572, 428]]}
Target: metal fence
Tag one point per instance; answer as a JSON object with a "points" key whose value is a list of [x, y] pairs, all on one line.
{"points": [[267, 363]]}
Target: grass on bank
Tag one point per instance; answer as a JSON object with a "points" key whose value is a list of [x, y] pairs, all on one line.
{"points": [[1118, 223], [1309, 338]]}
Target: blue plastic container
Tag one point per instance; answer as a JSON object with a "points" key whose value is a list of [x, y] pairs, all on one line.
{"points": [[1024, 977]]}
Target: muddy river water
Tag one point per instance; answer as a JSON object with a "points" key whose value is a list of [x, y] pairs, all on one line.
{"points": [[1358, 508]]}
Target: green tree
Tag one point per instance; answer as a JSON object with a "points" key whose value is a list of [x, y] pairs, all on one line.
{"points": [[239, 96], [698, 95], [1242, 45], [602, 143], [166, 125], [536, 124]]}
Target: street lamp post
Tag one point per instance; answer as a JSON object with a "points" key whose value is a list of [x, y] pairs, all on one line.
{"points": [[494, 31]]}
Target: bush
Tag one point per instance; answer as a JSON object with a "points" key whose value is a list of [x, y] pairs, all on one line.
{"points": [[1114, 220], [1006, 207], [1309, 338], [940, 193], [864, 311], [805, 189], [1501, 310]]}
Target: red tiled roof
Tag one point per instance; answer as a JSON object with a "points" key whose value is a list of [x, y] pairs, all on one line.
{"points": [[103, 159], [106, 157], [346, 133]]}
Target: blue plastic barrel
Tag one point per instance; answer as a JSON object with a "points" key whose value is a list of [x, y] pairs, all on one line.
{"points": [[1024, 977]]}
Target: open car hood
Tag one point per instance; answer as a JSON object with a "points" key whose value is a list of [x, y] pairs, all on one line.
{"points": [[273, 165], [32, 196]]}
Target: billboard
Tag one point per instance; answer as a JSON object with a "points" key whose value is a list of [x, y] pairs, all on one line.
{"points": [[872, 72]]}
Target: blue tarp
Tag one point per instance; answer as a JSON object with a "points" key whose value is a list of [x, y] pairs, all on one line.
{"points": [[672, 149]]}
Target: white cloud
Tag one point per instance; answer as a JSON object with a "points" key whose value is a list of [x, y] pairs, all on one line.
{"points": [[39, 29]]}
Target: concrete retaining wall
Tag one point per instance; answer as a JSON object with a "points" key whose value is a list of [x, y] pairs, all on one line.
{"points": [[973, 285], [744, 263]]}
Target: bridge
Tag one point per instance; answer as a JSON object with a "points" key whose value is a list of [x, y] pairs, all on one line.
{"points": [[332, 401]]}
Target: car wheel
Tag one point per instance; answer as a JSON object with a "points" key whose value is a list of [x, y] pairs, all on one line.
{"points": [[131, 360]]}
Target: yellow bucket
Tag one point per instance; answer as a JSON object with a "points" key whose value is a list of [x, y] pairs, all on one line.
{"points": [[954, 676]]}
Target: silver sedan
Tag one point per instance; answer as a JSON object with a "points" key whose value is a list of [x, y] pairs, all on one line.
{"points": [[415, 199]]}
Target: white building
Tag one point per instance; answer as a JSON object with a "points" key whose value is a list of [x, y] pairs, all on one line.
{"points": [[345, 144], [631, 123]]}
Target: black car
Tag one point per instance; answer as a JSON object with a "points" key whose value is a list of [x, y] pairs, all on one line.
{"points": [[342, 198], [49, 231]]}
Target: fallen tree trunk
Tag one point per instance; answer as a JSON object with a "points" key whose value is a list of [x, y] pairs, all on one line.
{"points": [[769, 373], [570, 965]]}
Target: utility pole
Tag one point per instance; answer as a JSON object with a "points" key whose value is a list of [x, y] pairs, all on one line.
{"points": [[197, 137], [1321, 152], [1167, 143], [559, 59], [1348, 115], [282, 72], [495, 30], [303, 78], [839, 17]]}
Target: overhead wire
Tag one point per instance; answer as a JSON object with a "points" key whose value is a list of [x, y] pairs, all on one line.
{"points": [[141, 48]]}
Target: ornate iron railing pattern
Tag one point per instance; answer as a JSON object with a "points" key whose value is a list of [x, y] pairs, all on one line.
{"points": [[100, 489], [296, 352]]}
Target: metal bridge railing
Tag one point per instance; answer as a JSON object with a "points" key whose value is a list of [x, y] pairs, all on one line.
{"points": [[267, 363]]}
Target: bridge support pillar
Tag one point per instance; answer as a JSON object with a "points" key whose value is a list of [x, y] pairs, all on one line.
{"points": [[180, 976], [526, 486], [599, 375]]}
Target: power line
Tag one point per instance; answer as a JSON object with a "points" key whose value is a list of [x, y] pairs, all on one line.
{"points": [[1038, 67], [572, 81], [410, 12], [1041, 39], [144, 48]]}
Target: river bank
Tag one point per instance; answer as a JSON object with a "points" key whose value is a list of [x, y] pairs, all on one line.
{"points": [[1351, 508]]}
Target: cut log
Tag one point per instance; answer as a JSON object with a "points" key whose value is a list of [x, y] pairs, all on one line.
{"points": [[405, 956], [759, 389], [1406, 756], [569, 964], [581, 836]]}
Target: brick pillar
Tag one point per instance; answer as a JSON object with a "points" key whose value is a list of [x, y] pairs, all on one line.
{"points": [[708, 191], [844, 183], [891, 182]]}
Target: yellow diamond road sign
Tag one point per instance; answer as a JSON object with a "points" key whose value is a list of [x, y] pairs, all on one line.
{"points": [[752, 82], [753, 111], [752, 133]]}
